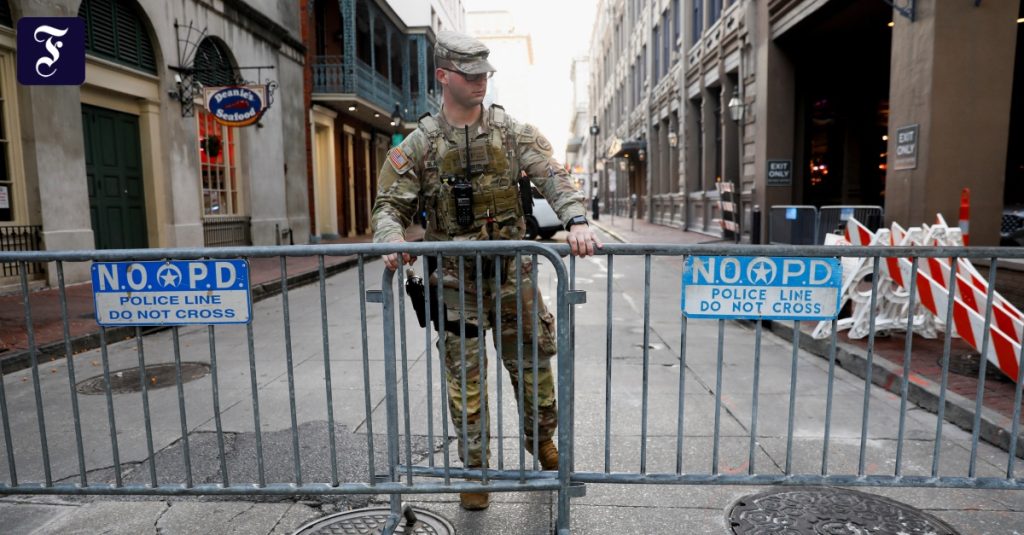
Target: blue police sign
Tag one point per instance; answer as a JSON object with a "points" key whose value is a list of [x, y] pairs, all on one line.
{"points": [[746, 287], [171, 293], [51, 51]]}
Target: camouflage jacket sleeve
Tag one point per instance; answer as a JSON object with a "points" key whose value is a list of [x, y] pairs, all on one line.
{"points": [[398, 188], [553, 181]]}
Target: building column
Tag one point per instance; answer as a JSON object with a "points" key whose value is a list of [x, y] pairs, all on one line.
{"points": [[953, 54], [158, 193]]}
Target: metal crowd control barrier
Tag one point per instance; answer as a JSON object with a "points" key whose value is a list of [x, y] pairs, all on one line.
{"points": [[832, 219], [792, 225], [703, 444]]}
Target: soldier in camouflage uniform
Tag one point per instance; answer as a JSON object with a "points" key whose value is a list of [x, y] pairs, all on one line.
{"points": [[429, 165]]}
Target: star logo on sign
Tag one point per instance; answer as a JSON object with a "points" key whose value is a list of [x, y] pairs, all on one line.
{"points": [[169, 276], [761, 270]]}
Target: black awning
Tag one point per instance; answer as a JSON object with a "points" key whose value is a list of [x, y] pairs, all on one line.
{"points": [[627, 149]]}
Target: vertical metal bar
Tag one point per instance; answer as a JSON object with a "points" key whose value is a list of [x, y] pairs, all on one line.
{"points": [[828, 403], [114, 452], [565, 445], [405, 367], [501, 357], [372, 476], [256, 405], [682, 395], [519, 362], [904, 384], [482, 356], [291, 370], [536, 349], [646, 364], [754, 396], [609, 293], [1015, 426], [35, 375], [950, 326], [8, 442], [792, 397], [430, 365], [462, 360], [442, 355], [391, 386], [983, 365], [70, 361], [572, 353], [186, 457], [215, 384], [875, 274], [144, 387], [327, 371], [718, 396]]}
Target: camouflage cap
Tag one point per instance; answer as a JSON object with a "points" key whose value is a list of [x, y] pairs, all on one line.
{"points": [[460, 52]]}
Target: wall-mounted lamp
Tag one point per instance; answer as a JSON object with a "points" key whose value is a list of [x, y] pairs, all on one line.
{"points": [[641, 154], [673, 139], [396, 116], [736, 106]]}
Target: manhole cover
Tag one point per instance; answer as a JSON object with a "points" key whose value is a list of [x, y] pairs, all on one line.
{"points": [[968, 364], [830, 511], [157, 376], [372, 520]]}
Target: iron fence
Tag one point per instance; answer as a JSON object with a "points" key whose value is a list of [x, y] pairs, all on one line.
{"points": [[21, 238]]}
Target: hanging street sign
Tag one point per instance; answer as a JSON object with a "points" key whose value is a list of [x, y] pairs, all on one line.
{"points": [[175, 292], [238, 105], [747, 287]]}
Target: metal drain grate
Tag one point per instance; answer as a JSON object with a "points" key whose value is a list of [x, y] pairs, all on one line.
{"points": [[830, 511], [157, 376], [371, 521]]}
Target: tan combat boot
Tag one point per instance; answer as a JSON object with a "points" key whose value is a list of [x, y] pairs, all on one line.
{"points": [[474, 501], [548, 454]]}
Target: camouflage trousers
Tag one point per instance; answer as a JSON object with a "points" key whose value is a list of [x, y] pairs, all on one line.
{"points": [[462, 356]]}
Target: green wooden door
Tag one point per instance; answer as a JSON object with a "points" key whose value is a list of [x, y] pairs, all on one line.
{"points": [[113, 167]]}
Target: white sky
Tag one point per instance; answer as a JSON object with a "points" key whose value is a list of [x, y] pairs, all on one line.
{"points": [[560, 30]]}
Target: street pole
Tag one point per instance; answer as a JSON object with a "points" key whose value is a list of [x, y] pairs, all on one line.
{"points": [[594, 131]]}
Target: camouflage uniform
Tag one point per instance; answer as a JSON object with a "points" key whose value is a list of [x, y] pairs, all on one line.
{"points": [[423, 167]]}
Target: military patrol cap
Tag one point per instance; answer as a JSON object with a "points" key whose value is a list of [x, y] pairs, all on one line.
{"points": [[460, 52]]}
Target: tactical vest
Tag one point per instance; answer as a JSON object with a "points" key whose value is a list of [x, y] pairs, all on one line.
{"points": [[493, 173]]}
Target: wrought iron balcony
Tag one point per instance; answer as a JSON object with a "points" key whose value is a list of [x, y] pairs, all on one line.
{"points": [[330, 77]]}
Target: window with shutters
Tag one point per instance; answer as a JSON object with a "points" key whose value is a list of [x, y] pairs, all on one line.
{"points": [[213, 63], [218, 157], [116, 30]]}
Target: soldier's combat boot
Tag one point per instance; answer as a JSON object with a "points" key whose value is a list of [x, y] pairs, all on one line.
{"points": [[548, 456], [474, 501]]}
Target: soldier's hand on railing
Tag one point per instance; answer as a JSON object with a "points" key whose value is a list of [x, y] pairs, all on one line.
{"points": [[391, 260], [582, 240]]}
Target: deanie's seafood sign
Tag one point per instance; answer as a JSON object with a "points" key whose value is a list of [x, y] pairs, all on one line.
{"points": [[236, 105]]}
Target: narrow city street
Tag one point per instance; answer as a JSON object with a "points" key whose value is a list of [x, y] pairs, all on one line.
{"points": [[606, 508]]}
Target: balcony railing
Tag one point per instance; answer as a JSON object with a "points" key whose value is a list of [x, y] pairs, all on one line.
{"points": [[329, 77]]}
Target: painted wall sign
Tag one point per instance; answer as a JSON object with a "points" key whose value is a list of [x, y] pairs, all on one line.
{"points": [[171, 293], [240, 105], [778, 288]]}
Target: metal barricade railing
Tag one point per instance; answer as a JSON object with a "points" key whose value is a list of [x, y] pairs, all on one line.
{"points": [[67, 429], [832, 219], [792, 225], [682, 419]]}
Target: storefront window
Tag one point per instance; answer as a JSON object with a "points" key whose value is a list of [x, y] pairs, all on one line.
{"points": [[6, 180], [217, 161]]}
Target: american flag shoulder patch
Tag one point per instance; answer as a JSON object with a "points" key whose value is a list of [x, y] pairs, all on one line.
{"points": [[399, 160]]}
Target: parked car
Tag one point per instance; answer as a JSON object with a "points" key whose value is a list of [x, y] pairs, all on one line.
{"points": [[1011, 232], [544, 222]]}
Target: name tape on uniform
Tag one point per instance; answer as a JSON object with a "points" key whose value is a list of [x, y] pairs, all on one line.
{"points": [[176, 292], [747, 287]]}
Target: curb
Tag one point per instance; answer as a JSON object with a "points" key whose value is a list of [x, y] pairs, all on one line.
{"points": [[609, 232], [20, 360], [959, 411]]}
